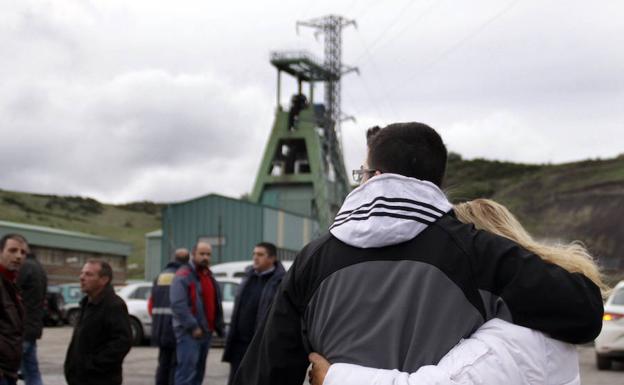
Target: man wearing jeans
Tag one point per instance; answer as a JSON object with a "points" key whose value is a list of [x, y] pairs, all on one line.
{"points": [[32, 281], [196, 309]]}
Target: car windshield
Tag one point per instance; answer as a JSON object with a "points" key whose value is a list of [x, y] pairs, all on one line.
{"points": [[618, 297]]}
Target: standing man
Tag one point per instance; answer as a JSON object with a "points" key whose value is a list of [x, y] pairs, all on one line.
{"points": [[252, 303], [398, 281], [160, 310], [32, 281], [102, 337], [12, 254], [196, 307]]}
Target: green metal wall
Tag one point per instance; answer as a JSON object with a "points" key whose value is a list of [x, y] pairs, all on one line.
{"points": [[238, 223], [153, 254], [243, 225]]}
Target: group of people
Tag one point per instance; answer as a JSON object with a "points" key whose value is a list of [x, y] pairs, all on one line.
{"points": [[100, 340], [186, 310], [405, 288]]}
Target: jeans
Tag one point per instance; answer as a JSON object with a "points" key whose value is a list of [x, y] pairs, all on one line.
{"points": [[191, 356], [166, 365], [30, 365]]}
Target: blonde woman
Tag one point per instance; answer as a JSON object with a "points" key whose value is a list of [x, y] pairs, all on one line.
{"points": [[498, 352]]}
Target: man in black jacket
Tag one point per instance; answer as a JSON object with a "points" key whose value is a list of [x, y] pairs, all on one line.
{"points": [[160, 308], [252, 302], [102, 337], [398, 280], [32, 281], [12, 253]]}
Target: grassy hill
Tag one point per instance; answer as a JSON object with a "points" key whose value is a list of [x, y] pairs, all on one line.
{"points": [[573, 201], [127, 223]]}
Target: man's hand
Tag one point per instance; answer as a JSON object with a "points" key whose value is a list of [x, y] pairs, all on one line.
{"points": [[197, 333], [320, 366]]}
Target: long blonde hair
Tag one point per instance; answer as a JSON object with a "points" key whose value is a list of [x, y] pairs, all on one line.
{"points": [[488, 215]]}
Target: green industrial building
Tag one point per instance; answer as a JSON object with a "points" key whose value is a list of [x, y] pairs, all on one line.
{"points": [[232, 226], [63, 253]]}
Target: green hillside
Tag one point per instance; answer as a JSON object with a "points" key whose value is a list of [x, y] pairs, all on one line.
{"points": [[573, 201], [127, 223]]}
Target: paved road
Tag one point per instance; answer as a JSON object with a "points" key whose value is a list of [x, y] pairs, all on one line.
{"points": [[140, 364]]}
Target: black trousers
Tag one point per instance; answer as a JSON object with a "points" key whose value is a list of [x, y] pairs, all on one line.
{"points": [[238, 352], [166, 365]]}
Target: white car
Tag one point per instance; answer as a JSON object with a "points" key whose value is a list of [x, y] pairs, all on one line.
{"points": [[136, 295], [610, 343], [229, 287]]}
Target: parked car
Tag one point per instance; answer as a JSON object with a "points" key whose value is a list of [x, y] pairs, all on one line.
{"points": [[610, 343], [229, 287], [71, 295], [54, 307], [136, 295]]}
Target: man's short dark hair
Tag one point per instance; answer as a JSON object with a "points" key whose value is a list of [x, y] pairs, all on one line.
{"points": [[105, 269], [410, 149], [13, 236], [269, 247]]}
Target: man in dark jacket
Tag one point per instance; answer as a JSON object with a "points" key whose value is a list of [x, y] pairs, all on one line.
{"points": [[398, 281], [32, 281], [197, 313], [102, 337], [252, 302], [160, 309], [12, 253]]}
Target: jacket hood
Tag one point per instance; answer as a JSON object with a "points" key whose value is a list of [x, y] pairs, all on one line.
{"points": [[388, 209]]}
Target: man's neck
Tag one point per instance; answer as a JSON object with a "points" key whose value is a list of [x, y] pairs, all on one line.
{"points": [[95, 297]]}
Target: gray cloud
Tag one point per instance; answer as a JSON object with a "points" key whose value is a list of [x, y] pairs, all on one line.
{"points": [[141, 100]]}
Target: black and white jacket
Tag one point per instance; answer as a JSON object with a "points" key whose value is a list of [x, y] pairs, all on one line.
{"points": [[399, 281]]}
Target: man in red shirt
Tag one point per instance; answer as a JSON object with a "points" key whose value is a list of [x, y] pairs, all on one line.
{"points": [[196, 309], [12, 254]]}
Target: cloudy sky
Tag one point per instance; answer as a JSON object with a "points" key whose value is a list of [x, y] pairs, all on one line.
{"points": [[130, 100]]}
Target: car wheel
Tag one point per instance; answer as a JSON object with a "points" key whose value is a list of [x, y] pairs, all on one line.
{"points": [[137, 332], [73, 316], [602, 362]]}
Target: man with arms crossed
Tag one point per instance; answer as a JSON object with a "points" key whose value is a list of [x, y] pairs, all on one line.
{"points": [[398, 281]]}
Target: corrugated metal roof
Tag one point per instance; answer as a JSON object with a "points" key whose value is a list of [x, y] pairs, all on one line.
{"points": [[63, 239]]}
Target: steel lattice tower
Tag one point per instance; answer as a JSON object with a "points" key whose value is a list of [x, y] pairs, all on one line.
{"points": [[331, 27]]}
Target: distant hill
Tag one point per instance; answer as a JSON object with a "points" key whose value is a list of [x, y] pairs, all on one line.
{"points": [[573, 201], [127, 223]]}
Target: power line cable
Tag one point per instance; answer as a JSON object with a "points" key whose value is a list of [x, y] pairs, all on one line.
{"points": [[457, 45], [407, 26], [389, 27]]}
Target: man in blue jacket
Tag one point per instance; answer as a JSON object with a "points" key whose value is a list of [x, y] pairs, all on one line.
{"points": [[252, 302], [160, 309], [196, 309]]}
